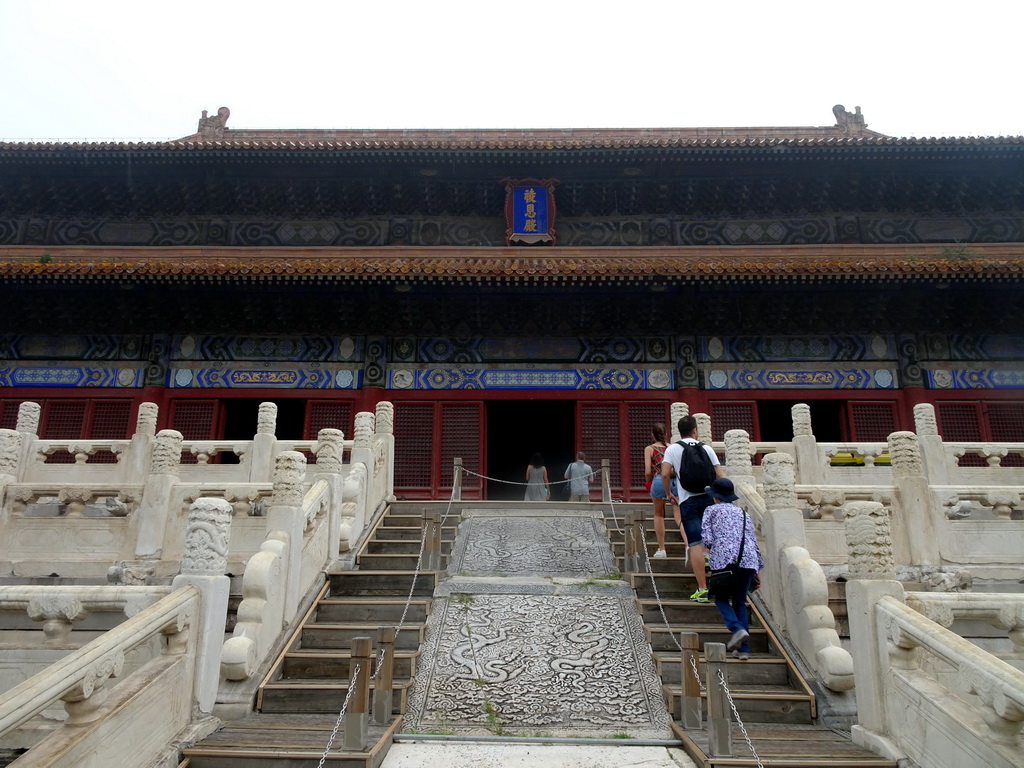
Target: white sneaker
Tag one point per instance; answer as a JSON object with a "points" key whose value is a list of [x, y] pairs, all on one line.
{"points": [[660, 553]]}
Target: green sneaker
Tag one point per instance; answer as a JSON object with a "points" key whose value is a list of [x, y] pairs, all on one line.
{"points": [[700, 596]]}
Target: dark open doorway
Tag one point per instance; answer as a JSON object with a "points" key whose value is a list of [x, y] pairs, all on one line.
{"points": [[775, 419], [241, 418], [516, 429]]}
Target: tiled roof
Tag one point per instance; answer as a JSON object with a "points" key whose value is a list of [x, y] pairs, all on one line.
{"points": [[512, 142], [528, 265]]}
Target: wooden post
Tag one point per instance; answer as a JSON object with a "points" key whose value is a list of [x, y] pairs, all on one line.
{"points": [[357, 714], [606, 481], [432, 541], [457, 480], [383, 692], [719, 725], [689, 657], [629, 558]]}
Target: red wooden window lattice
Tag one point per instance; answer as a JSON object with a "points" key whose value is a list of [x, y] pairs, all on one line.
{"points": [[726, 416], [460, 437], [961, 423], [641, 417], [414, 441], [872, 422], [599, 424]]}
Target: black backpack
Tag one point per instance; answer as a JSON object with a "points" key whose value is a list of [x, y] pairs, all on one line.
{"points": [[696, 472]]}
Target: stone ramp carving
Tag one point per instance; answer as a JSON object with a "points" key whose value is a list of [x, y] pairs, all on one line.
{"points": [[535, 635]]}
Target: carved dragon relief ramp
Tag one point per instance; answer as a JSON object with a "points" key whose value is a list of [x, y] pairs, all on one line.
{"points": [[536, 636]]}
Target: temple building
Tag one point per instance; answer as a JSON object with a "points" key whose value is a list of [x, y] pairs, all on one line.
{"points": [[515, 291]]}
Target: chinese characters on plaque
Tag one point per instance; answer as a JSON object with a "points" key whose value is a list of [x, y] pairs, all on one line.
{"points": [[529, 211]]}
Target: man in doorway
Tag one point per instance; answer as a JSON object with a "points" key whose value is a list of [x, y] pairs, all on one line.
{"points": [[691, 503], [578, 474]]}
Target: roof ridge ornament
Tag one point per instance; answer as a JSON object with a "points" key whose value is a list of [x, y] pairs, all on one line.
{"points": [[214, 127], [849, 122]]}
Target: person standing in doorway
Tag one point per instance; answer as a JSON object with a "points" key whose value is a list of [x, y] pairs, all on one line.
{"points": [[694, 470], [578, 474], [654, 454], [537, 487]]}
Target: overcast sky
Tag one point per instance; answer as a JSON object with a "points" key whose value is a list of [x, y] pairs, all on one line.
{"points": [[113, 69]]}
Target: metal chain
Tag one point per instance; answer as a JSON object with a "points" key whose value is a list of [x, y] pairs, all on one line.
{"points": [[415, 576], [654, 585], [736, 714], [696, 674], [615, 518], [513, 482], [341, 715]]}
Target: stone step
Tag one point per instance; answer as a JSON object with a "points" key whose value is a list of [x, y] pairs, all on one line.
{"points": [[760, 669], [387, 546], [670, 564], [320, 696], [381, 609], [336, 663], [393, 582], [341, 635], [288, 741]]}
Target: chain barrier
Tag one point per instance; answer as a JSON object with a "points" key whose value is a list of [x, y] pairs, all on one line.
{"points": [[341, 715], [736, 715], [654, 586], [465, 471], [415, 577]]}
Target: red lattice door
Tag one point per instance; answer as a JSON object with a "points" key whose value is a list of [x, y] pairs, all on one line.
{"points": [[327, 414], [733, 415], [962, 423], [600, 438], [871, 422], [414, 447], [640, 418], [461, 438], [196, 420], [1006, 425], [111, 420]]}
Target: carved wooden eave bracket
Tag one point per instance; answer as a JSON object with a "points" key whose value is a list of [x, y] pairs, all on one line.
{"points": [[556, 265]]}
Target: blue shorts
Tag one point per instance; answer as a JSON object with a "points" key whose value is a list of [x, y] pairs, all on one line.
{"points": [[693, 516], [658, 490]]}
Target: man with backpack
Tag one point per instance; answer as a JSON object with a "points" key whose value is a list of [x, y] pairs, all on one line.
{"points": [[696, 466]]}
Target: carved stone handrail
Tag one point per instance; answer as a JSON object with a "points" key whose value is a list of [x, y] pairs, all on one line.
{"points": [[121, 499], [60, 608], [1002, 611], [998, 686], [79, 676], [82, 450], [993, 453]]}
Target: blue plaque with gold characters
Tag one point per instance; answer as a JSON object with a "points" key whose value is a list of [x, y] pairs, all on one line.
{"points": [[530, 211]]}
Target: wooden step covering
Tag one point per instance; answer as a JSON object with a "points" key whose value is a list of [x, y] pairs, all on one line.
{"points": [[782, 746], [287, 740]]}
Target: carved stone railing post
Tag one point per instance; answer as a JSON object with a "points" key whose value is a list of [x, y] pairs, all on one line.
{"points": [[810, 468], [203, 566], [286, 516], [676, 412], [353, 506], [155, 506], [384, 425], [703, 427], [937, 464], [28, 426], [917, 526], [261, 465], [362, 440], [782, 525], [738, 464], [872, 576], [135, 463], [11, 455], [330, 452]]}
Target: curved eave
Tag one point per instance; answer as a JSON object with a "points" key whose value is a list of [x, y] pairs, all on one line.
{"points": [[421, 147], [551, 266]]}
